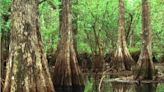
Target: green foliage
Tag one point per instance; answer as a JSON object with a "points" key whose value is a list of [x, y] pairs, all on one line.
{"points": [[160, 88], [131, 50], [1, 23], [88, 86], [49, 24], [4, 10], [103, 14]]}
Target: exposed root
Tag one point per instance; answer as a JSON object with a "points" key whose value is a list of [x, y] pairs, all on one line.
{"points": [[145, 68], [122, 61]]}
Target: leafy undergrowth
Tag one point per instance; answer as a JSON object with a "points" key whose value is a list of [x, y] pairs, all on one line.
{"points": [[132, 50], [160, 88], [88, 86]]}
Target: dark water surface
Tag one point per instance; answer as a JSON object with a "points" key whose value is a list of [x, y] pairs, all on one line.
{"points": [[94, 85], [125, 87], [70, 89]]}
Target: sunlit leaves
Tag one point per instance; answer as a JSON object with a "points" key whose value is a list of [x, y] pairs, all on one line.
{"points": [[102, 12], [49, 24]]}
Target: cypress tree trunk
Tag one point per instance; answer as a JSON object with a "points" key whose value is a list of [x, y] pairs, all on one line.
{"points": [[98, 54], [162, 59], [145, 64], [66, 66], [1, 66], [27, 69], [4, 47], [75, 26], [122, 58]]}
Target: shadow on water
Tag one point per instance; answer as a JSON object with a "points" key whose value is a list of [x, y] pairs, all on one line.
{"points": [[149, 87], [92, 85], [69, 89], [129, 87]]}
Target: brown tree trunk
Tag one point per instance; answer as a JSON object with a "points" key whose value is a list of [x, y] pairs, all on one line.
{"points": [[4, 47], [98, 53], [75, 26], [145, 64], [122, 58], [27, 69], [66, 66], [4, 54], [1, 66], [162, 59]]}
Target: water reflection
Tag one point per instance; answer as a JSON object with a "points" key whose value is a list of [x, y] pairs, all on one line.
{"points": [[120, 87], [93, 85], [126, 87], [69, 89], [149, 87], [131, 87]]}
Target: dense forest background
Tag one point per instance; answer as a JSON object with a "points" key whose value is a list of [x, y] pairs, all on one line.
{"points": [[101, 16], [81, 44]]}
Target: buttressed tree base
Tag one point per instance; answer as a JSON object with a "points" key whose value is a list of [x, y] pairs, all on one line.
{"points": [[145, 64], [27, 69], [122, 59], [67, 73]]}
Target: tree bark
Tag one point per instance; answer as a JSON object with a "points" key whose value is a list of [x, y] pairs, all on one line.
{"points": [[4, 49], [4, 54], [145, 67], [27, 69], [122, 58], [162, 59], [66, 66], [1, 66], [98, 53], [75, 26]]}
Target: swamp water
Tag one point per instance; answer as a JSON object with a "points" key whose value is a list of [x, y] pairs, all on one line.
{"points": [[123, 87]]}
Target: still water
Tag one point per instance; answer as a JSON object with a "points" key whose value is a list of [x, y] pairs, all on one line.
{"points": [[123, 87], [93, 84]]}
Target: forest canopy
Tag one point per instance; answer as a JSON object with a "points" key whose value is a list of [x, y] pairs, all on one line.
{"points": [[102, 12], [50, 45]]}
